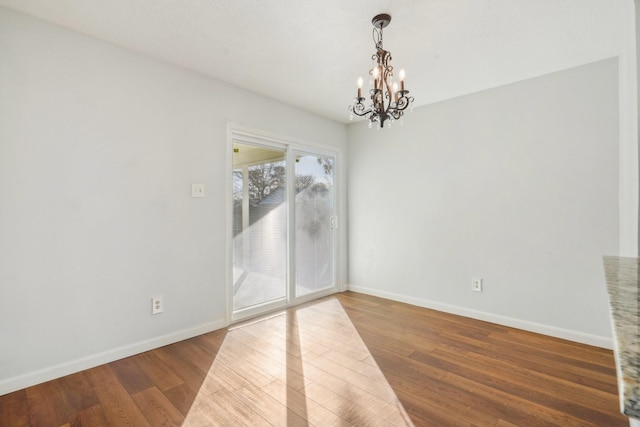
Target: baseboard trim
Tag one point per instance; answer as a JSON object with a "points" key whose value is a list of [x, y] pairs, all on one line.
{"points": [[580, 337], [36, 377]]}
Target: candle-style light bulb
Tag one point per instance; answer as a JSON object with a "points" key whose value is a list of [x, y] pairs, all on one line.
{"points": [[402, 75], [359, 87], [375, 73]]}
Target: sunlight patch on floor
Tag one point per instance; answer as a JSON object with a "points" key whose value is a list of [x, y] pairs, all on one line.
{"points": [[305, 366]]}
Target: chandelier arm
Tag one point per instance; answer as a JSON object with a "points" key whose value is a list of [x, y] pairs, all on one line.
{"points": [[386, 71], [377, 100], [358, 108], [396, 114], [403, 102], [361, 114], [389, 91]]}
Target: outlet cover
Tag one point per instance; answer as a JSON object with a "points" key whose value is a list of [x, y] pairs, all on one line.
{"points": [[476, 285], [157, 305]]}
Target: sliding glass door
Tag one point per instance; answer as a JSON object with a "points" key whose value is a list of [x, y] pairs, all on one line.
{"points": [[259, 226], [314, 223], [283, 226]]}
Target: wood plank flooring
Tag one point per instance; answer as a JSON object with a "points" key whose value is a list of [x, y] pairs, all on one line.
{"points": [[349, 359], [449, 370]]}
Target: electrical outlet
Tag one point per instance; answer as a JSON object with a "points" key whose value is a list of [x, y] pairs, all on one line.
{"points": [[157, 305], [476, 285]]}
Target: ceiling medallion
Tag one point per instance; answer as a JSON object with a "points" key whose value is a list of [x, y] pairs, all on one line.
{"points": [[388, 102]]}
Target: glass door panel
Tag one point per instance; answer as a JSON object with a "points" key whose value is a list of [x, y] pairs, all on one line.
{"points": [[314, 223], [259, 225]]}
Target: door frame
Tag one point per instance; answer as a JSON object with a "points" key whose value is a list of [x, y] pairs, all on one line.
{"points": [[241, 134]]}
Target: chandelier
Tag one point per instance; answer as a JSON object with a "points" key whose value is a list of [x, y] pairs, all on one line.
{"points": [[388, 102]]}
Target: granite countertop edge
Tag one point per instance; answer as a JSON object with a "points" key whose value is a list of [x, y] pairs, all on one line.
{"points": [[624, 298]]}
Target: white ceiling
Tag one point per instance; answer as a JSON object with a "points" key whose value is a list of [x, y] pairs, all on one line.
{"points": [[310, 53]]}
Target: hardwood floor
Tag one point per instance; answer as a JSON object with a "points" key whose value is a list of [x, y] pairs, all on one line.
{"points": [[450, 370], [310, 366]]}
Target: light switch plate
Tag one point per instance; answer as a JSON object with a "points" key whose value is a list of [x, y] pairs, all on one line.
{"points": [[197, 190]]}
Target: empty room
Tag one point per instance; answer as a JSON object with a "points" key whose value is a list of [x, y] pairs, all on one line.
{"points": [[292, 213]]}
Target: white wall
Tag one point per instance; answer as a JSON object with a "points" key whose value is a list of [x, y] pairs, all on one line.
{"points": [[98, 149], [517, 185], [636, 119], [628, 188]]}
